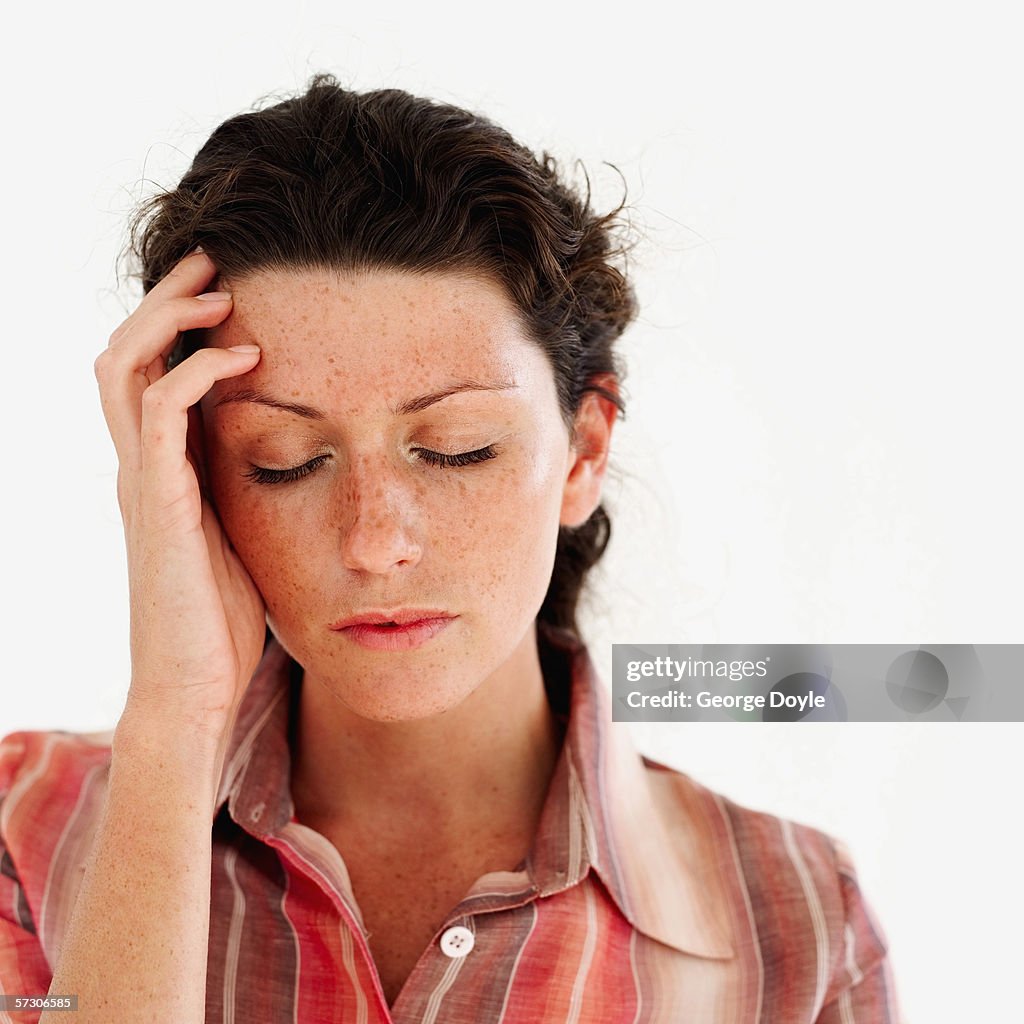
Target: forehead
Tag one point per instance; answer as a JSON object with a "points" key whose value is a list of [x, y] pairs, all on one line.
{"points": [[379, 326]]}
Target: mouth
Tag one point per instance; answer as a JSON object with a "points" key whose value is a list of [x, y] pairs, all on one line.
{"points": [[392, 619], [394, 631]]}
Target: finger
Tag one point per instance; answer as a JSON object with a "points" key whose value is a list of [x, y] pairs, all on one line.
{"points": [[135, 335], [185, 279], [128, 368], [167, 474], [189, 276]]}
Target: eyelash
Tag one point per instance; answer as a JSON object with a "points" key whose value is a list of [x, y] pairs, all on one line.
{"points": [[283, 476]]}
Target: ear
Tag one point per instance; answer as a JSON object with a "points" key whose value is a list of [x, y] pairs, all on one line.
{"points": [[588, 457]]}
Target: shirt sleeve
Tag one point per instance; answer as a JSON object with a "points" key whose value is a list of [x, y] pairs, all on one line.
{"points": [[862, 989], [24, 970]]}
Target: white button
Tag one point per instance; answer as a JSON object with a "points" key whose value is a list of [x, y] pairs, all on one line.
{"points": [[457, 941]]}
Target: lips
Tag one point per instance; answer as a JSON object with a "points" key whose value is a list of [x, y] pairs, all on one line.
{"points": [[402, 630], [392, 618]]}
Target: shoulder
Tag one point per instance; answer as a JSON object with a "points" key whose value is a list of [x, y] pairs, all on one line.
{"points": [[52, 787], [49, 759], [760, 843], [792, 888], [44, 769]]}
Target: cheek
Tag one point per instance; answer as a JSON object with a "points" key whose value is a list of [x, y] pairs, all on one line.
{"points": [[518, 529], [266, 534], [496, 533]]}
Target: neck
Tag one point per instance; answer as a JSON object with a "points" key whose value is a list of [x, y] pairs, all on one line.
{"points": [[486, 763]]}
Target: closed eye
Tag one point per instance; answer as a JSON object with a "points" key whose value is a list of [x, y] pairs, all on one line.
{"points": [[262, 475], [460, 459]]}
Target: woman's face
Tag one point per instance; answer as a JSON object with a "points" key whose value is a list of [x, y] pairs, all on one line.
{"points": [[398, 448]]}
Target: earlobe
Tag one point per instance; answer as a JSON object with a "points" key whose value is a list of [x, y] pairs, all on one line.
{"points": [[595, 420]]}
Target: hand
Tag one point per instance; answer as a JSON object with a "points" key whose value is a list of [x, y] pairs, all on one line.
{"points": [[197, 620]]}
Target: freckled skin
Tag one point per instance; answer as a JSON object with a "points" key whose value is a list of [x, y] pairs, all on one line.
{"points": [[425, 768], [375, 526]]}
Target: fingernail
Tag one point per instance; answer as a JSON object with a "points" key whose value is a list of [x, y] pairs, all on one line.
{"points": [[243, 348], [215, 296], [198, 248]]}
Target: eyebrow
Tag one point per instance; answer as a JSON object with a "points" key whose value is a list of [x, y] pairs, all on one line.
{"points": [[406, 408]]}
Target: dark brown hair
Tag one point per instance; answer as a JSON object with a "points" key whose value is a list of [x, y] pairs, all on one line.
{"points": [[342, 180]]}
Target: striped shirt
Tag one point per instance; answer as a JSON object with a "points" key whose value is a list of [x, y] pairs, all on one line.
{"points": [[645, 897]]}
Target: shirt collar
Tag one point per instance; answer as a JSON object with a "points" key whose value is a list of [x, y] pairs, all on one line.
{"points": [[256, 778], [641, 831], [636, 825]]}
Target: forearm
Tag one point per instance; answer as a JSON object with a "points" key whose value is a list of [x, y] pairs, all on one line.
{"points": [[136, 948]]}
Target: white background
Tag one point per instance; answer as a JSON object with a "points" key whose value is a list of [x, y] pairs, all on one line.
{"points": [[822, 442]]}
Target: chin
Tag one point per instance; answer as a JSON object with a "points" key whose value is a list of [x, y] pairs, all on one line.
{"points": [[407, 685], [381, 701]]}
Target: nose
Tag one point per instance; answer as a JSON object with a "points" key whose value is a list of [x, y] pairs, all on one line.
{"points": [[378, 519]]}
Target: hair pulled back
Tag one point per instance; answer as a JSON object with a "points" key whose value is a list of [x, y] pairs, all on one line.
{"points": [[385, 180]]}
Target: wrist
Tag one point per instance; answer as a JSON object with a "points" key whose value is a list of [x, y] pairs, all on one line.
{"points": [[168, 737]]}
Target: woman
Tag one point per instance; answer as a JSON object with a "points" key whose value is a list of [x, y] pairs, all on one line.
{"points": [[362, 433]]}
